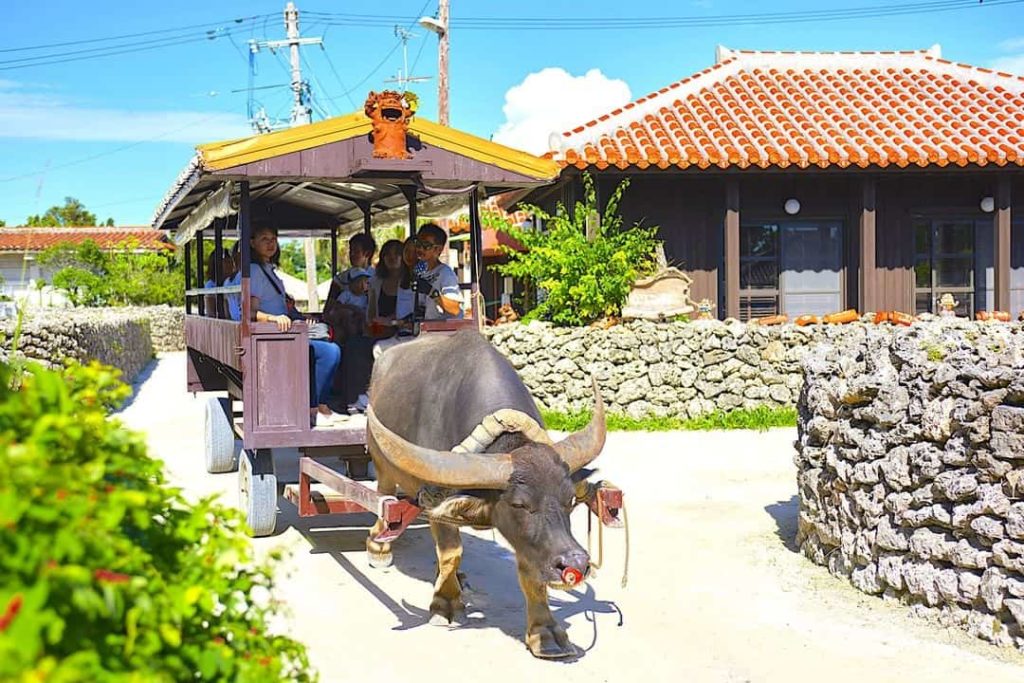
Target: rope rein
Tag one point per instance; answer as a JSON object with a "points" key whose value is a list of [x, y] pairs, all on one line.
{"points": [[600, 540]]}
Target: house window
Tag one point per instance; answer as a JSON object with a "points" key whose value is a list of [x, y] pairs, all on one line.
{"points": [[793, 268], [953, 257]]}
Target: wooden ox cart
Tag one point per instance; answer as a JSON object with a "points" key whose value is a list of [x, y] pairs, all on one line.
{"points": [[321, 180]]}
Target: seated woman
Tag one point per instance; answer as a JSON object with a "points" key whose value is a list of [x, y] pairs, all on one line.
{"points": [[228, 268], [391, 297], [269, 305]]}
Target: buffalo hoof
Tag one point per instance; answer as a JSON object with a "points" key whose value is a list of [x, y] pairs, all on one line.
{"points": [[550, 642], [445, 611], [380, 560]]}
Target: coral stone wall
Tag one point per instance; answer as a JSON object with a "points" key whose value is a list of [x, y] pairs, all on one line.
{"points": [[682, 369], [910, 466], [125, 338]]}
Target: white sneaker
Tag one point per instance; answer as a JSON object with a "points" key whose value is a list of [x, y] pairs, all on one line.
{"points": [[332, 420]]}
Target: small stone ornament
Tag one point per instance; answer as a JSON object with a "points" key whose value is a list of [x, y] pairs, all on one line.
{"points": [[704, 308], [947, 306]]}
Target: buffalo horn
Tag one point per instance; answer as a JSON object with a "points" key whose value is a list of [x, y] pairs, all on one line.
{"points": [[577, 450], [450, 469]]}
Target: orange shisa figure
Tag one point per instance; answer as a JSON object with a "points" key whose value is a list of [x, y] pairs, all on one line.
{"points": [[390, 111]]}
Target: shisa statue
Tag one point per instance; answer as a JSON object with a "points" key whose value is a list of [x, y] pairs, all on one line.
{"points": [[704, 307], [947, 306], [390, 112]]}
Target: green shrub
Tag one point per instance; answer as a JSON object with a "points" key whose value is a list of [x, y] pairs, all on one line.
{"points": [[90, 276], [106, 573], [583, 279], [759, 418]]}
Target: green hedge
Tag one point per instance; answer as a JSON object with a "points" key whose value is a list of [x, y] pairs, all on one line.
{"points": [[106, 572]]}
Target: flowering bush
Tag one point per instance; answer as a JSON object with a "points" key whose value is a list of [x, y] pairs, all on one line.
{"points": [[583, 277], [106, 573]]}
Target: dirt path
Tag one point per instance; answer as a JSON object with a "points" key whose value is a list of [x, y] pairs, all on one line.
{"points": [[716, 592]]}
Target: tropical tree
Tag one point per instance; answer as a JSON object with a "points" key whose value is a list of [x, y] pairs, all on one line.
{"points": [[71, 213], [123, 276], [584, 260]]}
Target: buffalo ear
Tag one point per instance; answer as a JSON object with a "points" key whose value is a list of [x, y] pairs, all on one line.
{"points": [[463, 511], [582, 474]]}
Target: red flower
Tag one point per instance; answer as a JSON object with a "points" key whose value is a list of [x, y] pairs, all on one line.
{"points": [[111, 577], [264, 661], [218, 641], [61, 494], [13, 607]]}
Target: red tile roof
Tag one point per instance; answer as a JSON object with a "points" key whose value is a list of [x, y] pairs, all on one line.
{"points": [[38, 239], [814, 109]]}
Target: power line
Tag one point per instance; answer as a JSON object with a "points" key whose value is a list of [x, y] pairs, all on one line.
{"points": [[398, 43], [133, 35], [665, 22], [45, 60], [330, 63]]}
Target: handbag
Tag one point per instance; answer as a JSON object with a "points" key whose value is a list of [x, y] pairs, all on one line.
{"points": [[319, 331]]}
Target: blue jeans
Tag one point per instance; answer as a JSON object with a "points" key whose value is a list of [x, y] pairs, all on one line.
{"points": [[325, 357]]}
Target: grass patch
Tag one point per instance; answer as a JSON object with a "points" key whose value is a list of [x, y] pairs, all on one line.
{"points": [[760, 418]]}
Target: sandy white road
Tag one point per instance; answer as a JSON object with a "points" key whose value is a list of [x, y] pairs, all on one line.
{"points": [[716, 592]]}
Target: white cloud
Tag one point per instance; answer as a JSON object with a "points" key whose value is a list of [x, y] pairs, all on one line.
{"points": [[1012, 63], [26, 113], [1012, 45], [553, 101]]}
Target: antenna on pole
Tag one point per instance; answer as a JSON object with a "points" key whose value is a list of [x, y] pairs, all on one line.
{"points": [[302, 112], [403, 78]]}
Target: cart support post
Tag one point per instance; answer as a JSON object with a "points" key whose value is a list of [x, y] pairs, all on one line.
{"points": [[334, 250], [245, 234], [188, 276], [476, 236], [200, 276], [367, 217], [410, 196], [218, 264]]}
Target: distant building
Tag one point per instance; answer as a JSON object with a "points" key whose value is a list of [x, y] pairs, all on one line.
{"points": [[20, 247]]}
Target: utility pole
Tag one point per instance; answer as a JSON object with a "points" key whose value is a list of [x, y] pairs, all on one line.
{"points": [[440, 27], [302, 114], [442, 64]]}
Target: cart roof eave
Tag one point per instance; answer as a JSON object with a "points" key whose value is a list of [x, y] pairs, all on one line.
{"points": [[322, 175]]}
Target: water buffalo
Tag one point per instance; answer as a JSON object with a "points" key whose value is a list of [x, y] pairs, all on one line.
{"points": [[451, 423]]}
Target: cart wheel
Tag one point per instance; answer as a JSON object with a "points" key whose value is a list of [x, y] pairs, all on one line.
{"points": [[257, 491], [220, 437]]}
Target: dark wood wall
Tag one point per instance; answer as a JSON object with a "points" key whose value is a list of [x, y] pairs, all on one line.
{"points": [[689, 209], [688, 212]]}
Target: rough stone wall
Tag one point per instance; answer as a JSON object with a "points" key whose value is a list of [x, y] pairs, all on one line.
{"points": [[679, 369], [910, 465], [125, 338]]}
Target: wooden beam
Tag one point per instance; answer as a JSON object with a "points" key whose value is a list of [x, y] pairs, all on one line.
{"points": [[245, 234], [200, 276], [868, 276], [732, 248], [1001, 222], [410, 197]]}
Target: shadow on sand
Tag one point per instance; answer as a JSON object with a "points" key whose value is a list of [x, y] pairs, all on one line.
{"points": [[490, 584], [136, 384], [785, 514]]}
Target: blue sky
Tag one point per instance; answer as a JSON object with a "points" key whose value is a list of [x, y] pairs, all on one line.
{"points": [[115, 131]]}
